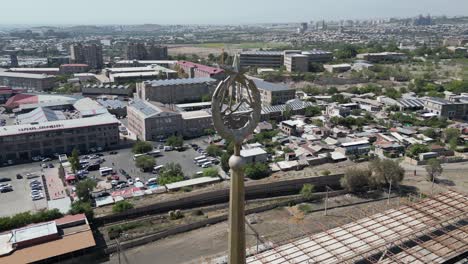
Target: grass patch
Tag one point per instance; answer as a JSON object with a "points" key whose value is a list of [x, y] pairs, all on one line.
{"points": [[305, 208], [115, 231]]}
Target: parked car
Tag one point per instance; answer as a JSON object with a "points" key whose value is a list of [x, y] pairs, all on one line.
{"points": [[130, 181], [37, 197], [46, 160], [100, 155], [50, 165], [114, 182], [19, 176], [5, 179], [44, 166], [99, 149], [36, 158], [115, 177], [113, 152], [6, 189]]}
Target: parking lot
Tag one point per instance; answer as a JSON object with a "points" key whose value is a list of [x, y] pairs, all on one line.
{"points": [[19, 200], [124, 160]]}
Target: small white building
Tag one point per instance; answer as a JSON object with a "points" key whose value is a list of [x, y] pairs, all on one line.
{"points": [[254, 155]]}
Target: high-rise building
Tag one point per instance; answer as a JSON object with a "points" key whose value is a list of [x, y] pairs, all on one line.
{"points": [[142, 51], [90, 54], [13, 60]]}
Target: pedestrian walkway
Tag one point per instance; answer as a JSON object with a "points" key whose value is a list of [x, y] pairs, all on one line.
{"points": [[54, 184]]}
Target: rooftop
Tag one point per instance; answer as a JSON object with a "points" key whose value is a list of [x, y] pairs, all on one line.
{"points": [[25, 75], [274, 87], [262, 53], [211, 70], [168, 82], [40, 115], [34, 69], [34, 231], [57, 125], [252, 152], [433, 230], [192, 182]]}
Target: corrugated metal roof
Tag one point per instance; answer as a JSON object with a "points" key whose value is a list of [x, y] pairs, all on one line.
{"points": [[180, 81]]}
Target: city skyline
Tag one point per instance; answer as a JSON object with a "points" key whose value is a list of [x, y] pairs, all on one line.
{"points": [[214, 12]]}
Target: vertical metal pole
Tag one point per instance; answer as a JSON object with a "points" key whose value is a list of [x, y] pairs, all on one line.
{"points": [[326, 198], [389, 191], [432, 185], [236, 209]]}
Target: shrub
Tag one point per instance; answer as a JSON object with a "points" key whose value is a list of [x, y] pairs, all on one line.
{"points": [[141, 147], [355, 180], [307, 191], [26, 218], [121, 206]]}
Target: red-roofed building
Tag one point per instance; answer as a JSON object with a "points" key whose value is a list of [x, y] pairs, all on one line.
{"points": [[73, 68], [20, 99], [195, 70]]}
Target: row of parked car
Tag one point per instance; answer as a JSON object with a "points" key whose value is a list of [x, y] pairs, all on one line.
{"points": [[36, 190], [5, 187]]}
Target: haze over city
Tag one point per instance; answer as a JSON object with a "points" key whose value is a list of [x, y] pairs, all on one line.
{"points": [[217, 12]]}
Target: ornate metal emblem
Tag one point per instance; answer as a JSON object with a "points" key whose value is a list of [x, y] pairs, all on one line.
{"points": [[236, 108]]}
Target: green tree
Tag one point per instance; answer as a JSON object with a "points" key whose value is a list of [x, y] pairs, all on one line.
{"points": [[175, 141], [84, 189], [434, 169], [257, 171], [81, 207], [121, 206], [145, 162], [172, 172], [210, 172], [311, 111], [430, 132], [209, 131], [451, 137], [326, 173], [356, 180], [346, 52], [225, 161], [214, 150], [288, 112], [141, 147], [385, 171], [414, 150], [307, 191], [74, 160]]}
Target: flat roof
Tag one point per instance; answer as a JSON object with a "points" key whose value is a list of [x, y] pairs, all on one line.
{"points": [[194, 104], [192, 182], [252, 152], [262, 53], [138, 74], [25, 75], [353, 143], [168, 82], [34, 231], [195, 114], [33, 69], [263, 85], [14, 130], [147, 61], [67, 244]]}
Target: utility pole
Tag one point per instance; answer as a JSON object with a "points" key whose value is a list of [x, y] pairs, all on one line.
{"points": [[326, 198], [432, 185], [389, 191]]}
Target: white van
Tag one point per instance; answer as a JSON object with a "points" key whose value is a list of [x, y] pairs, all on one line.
{"points": [[151, 181], [207, 164], [199, 158], [200, 162], [156, 169], [136, 156]]}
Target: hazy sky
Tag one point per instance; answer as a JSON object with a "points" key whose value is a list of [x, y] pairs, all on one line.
{"points": [[215, 11]]}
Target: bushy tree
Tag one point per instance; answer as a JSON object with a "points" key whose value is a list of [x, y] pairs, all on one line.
{"points": [[84, 189], [385, 171], [74, 160], [26, 218], [82, 207], [210, 172], [225, 161], [257, 171], [414, 150], [145, 162], [141, 147], [311, 111], [214, 150], [434, 169], [307, 191], [172, 172], [356, 180], [121, 206], [175, 141], [451, 137]]}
